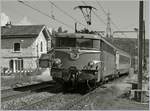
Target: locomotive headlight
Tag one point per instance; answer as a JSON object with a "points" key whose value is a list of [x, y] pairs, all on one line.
{"points": [[91, 64], [57, 62], [94, 64]]}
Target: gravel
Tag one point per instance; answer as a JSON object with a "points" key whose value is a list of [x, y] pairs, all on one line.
{"points": [[108, 99], [102, 98], [5, 87], [9, 93], [54, 103], [20, 102]]}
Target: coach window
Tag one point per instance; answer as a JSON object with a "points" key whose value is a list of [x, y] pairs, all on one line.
{"points": [[16, 47]]}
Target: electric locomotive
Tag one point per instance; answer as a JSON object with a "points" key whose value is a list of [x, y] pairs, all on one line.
{"points": [[83, 59]]}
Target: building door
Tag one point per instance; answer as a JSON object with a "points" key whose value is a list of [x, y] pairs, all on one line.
{"points": [[11, 65], [16, 65]]}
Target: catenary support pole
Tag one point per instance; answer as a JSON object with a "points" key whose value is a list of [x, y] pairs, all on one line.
{"points": [[140, 47], [144, 48]]}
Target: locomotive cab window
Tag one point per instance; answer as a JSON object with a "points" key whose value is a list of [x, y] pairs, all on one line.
{"points": [[65, 42], [84, 43], [76, 42]]}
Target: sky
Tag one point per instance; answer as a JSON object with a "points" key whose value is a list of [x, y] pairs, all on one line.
{"points": [[125, 14]]}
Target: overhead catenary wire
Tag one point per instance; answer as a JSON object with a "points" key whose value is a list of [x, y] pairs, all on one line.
{"points": [[101, 7], [111, 19], [64, 12], [118, 28], [99, 18], [45, 14]]}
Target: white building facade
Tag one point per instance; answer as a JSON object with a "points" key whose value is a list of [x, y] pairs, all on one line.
{"points": [[22, 46]]}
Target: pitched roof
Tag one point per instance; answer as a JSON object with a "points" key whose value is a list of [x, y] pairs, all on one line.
{"points": [[23, 30]]}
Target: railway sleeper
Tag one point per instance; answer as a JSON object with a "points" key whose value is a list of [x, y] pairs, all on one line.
{"points": [[75, 86]]}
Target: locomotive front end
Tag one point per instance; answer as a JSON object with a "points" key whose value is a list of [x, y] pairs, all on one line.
{"points": [[77, 59]]}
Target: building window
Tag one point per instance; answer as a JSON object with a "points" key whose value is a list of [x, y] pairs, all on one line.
{"points": [[41, 47], [16, 65], [11, 64], [16, 47]]}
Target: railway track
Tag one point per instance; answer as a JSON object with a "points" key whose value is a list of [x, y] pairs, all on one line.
{"points": [[37, 104], [60, 101], [9, 94], [28, 87], [77, 101]]}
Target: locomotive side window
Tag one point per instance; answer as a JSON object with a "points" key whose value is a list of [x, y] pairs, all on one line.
{"points": [[96, 44], [124, 59]]}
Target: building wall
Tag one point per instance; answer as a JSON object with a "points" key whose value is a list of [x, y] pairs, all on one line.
{"points": [[27, 48], [29, 51], [37, 45], [28, 63], [5, 62]]}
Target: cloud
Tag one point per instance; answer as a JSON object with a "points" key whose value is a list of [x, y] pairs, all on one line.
{"points": [[4, 19], [24, 21]]}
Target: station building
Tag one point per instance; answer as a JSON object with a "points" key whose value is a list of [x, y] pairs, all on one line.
{"points": [[23, 45]]}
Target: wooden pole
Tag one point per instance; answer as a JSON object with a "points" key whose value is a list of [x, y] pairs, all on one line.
{"points": [[140, 47]]}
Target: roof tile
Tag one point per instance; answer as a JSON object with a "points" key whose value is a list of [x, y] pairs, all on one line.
{"points": [[16, 30]]}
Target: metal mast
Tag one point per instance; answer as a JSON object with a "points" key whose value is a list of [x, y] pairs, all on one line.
{"points": [[108, 28], [144, 48], [140, 47]]}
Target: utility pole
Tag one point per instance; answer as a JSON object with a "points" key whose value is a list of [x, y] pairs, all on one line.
{"points": [[144, 48], [140, 47]]}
